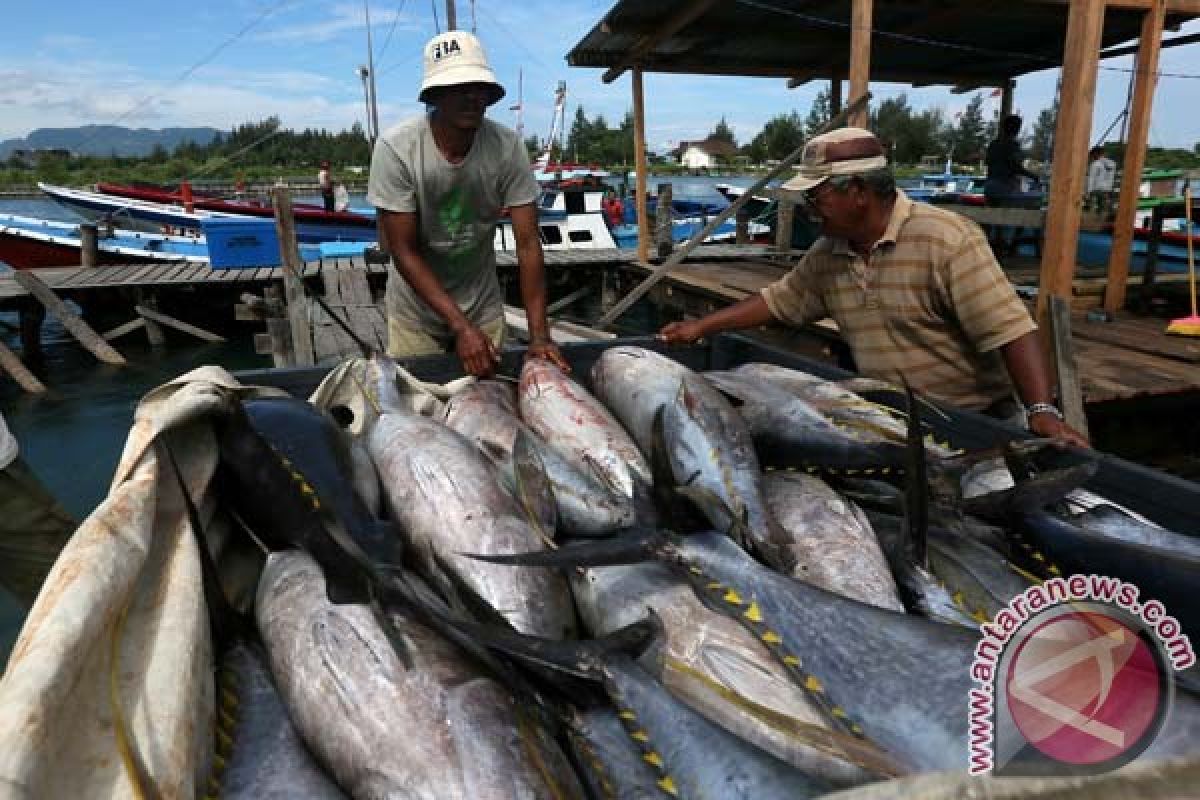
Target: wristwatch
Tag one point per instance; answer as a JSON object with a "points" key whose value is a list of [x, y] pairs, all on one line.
{"points": [[1043, 408]]}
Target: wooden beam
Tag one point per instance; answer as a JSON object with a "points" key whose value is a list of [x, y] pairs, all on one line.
{"points": [[1085, 23], [1173, 6], [669, 27], [179, 325], [78, 328], [1069, 393], [860, 57], [121, 330], [19, 372], [835, 94], [1008, 90], [639, 160], [1146, 70]]}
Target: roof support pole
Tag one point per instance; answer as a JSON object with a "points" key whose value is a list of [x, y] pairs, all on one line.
{"points": [[639, 160], [1085, 22], [835, 95], [1135, 155], [860, 57], [1006, 97]]}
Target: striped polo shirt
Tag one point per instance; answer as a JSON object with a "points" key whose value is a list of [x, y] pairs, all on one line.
{"points": [[932, 307]]}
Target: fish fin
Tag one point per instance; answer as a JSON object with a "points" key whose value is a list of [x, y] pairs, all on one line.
{"points": [[533, 489], [227, 624], [631, 546], [1033, 493], [581, 658]]}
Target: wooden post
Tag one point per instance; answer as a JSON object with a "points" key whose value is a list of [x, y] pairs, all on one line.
{"points": [[1006, 97], [89, 245], [639, 159], [93, 341], [451, 16], [785, 212], [1150, 270], [742, 227], [1085, 22], [835, 94], [664, 221], [154, 331], [279, 331], [293, 282], [1069, 393], [1146, 70], [860, 57]]}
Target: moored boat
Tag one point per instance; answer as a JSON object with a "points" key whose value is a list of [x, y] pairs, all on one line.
{"points": [[32, 243]]}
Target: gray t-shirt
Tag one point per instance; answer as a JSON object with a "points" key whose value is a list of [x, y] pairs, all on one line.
{"points": [[458, 206]]}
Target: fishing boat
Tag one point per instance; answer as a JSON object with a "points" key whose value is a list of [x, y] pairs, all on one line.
{"points": [[111, 687], [313, 223], [33, 243]]}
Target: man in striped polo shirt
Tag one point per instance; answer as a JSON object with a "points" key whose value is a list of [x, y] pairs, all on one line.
{"points": [[915, 290]]}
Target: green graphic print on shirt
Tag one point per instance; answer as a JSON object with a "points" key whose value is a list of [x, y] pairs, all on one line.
{"points": [[457, 215]]}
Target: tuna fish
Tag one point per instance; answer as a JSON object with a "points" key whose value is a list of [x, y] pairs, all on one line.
{"points": [[634, 383], [721, 670], [266, 758], [436, 729], [709, 449], [1109, 520], [284, 466], [448, 498], [576, 424], [790, 432], [486, 413], [832, 539], [610, 762], [697, 759]]}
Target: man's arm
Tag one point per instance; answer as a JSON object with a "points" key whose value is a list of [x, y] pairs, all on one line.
{"points": [[532, 273], [1027, 368], [474, 348], [749, 312]]}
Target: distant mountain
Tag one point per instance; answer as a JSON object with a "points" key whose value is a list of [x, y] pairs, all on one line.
{"points": [[104, 140]]}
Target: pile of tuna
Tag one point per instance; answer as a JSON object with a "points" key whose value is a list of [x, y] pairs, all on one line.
{"points": [[746, 584]]}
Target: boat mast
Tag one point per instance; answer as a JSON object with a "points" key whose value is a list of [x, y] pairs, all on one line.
{"points": [[520, 106], [367, 74]]}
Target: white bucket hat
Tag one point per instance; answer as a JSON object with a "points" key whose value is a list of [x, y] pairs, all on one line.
{"points": [[453, 58]]}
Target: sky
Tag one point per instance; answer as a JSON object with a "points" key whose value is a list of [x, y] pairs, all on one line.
{"points": [[221, 63]]}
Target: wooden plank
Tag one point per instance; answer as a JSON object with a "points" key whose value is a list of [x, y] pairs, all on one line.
{"points": [[78, 328], [639, 160], [179, 325], [19, 372], [121, 330], [1064, 361], [1085, 23], [860, 57], [1146, 77]]}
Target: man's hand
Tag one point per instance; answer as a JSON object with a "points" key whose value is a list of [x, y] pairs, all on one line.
{"points": [[544, 348], [684, 332], [476, 352], [1051, 427]]}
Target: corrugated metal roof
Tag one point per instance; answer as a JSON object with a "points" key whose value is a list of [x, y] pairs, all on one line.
{"points": [[920, 42]]}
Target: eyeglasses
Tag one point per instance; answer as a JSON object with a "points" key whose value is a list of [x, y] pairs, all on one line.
{"points": [[813, 196]]}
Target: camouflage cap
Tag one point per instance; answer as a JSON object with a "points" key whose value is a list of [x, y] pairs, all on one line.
{"points": [[843, 151]]}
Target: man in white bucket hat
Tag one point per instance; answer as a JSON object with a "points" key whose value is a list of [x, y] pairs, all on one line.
{"points": [[915, 290], [440, 182]]}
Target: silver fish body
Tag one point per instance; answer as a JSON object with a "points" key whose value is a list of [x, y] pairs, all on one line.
{"points": [[634, 383], [486, 413], [1109, 520], [901, 680], [267, 760], [832, 538], [709, 446], [447, 497], [432, 729], [578, 425], [713, 664]]}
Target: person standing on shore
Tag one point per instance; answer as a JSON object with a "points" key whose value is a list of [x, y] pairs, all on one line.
{"points": [[1101, 180], [440, 182], [325, 184]]}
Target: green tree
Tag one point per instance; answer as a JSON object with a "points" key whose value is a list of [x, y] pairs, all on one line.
{"points": [[779, 137], [723, 133], [818, 115], [1041, 143], [968, 138]]}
